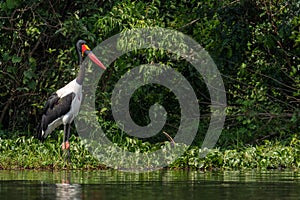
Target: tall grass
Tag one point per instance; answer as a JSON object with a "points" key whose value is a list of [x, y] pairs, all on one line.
{"points": [[29, 153]]}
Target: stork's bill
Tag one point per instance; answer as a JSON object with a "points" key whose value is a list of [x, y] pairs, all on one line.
{"points": [[86, 50]]}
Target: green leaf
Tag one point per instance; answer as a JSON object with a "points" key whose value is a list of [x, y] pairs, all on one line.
{"points": [[103, 110], [5, 56], [16, 59], [11, 4], [32, 61], [28, 74]]}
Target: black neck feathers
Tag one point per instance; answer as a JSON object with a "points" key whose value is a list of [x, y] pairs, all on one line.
{"points": [[81, 72]]}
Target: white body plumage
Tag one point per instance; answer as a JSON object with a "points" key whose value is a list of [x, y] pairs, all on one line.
{"points": [[71, 88]]}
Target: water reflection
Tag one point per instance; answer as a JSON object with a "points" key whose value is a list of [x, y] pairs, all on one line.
{"points": [[66, 190], [157, 185]]}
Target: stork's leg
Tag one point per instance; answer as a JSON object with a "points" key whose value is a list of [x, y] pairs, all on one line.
{"points": [[65, 144]]}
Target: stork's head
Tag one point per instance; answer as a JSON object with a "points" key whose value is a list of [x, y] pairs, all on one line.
{"points": [[83, 50]]}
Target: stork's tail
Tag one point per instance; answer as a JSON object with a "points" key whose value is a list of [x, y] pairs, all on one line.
{"points": [[38, 133]]}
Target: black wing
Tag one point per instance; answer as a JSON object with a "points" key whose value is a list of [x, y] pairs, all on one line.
{"points": [[52, 100], [54, 108]]}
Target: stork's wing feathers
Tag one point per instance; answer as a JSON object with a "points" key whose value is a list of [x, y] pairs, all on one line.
{"points": [[55, 108], [52, 100]]}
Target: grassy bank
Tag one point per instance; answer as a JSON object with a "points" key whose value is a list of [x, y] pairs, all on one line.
{"points": [[29, 153]]}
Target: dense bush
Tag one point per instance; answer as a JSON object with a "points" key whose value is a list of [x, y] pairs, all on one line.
{"points": [[255, 44]]}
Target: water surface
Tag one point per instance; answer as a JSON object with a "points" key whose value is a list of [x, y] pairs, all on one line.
{"points": [[164, 184]]}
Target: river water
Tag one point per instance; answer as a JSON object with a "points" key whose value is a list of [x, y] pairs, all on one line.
{"points": [[163, 184]]}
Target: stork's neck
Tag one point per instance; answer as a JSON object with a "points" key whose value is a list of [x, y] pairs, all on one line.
{"points": [[81, 73], [80, 76]]}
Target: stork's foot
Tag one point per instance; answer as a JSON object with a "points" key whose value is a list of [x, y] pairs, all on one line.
{"points": [[65, 146]]}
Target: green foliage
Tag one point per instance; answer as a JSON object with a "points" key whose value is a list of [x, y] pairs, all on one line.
{"points": [[270, 155], [29, 153], [255, 45]]}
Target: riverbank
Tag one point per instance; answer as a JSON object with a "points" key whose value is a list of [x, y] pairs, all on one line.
{"points": [[29, 153]]}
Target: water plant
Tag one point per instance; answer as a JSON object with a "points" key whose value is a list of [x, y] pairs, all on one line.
{"points": [[29, 153]]}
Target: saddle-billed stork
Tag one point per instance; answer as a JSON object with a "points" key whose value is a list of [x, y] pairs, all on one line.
{"points": [[64, 104]]}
